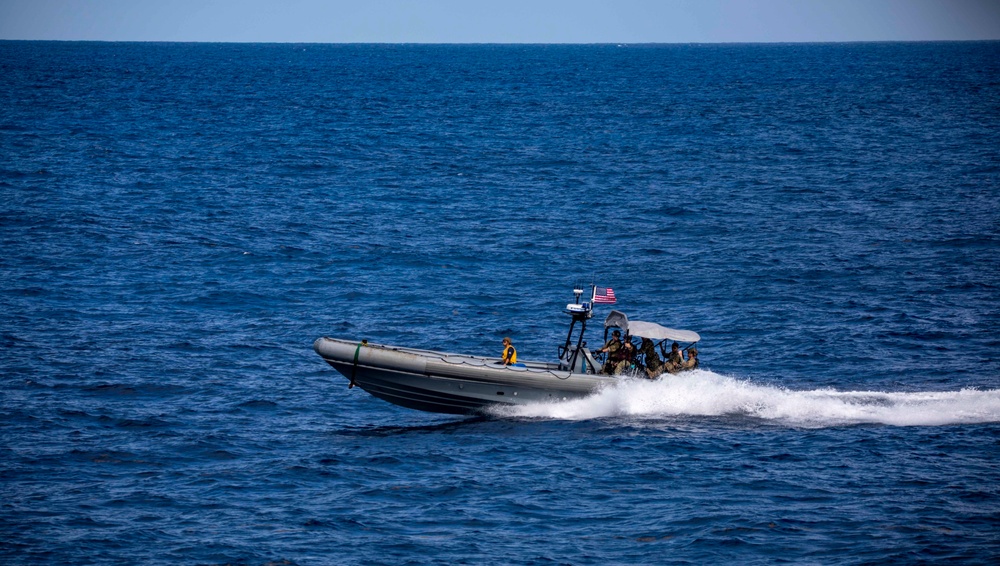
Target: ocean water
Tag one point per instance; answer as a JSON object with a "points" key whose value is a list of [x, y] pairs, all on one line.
{"points": [[179, 222]]}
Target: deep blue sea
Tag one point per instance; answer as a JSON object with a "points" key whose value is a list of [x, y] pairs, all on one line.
{"points": [[179, 223]]}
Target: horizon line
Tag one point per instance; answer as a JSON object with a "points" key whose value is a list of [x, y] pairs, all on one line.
{"points": [[602, 43]]}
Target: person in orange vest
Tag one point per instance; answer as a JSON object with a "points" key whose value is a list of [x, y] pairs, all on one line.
{"points": [[509, 353]]}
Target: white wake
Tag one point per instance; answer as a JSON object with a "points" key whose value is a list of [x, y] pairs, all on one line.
{"points": [[703, 393]]}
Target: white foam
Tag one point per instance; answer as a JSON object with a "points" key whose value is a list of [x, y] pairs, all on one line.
{"points": [[703, 393]]}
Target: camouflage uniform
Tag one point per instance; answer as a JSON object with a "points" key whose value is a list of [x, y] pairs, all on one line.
{"points": [[674, 359], [692, 361], [653, 362], [611, 347], [627, 361]]}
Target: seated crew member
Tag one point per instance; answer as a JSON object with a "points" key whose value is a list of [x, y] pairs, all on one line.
{"points": [[613, 349], [627, 361], [692, 361], [654, 365], [673, 359], [509, 353]]}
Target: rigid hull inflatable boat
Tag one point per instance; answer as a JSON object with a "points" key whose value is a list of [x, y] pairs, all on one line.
{"points": [[443, 382], [451, 383]]}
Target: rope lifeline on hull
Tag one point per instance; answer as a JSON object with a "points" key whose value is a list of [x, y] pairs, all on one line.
{"points": [[354, 369]]}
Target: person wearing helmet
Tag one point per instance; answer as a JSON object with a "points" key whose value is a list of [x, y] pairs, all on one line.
{"points": [[613, 348], [654, 365], [626, 361], [674, 358], [692, 361]]}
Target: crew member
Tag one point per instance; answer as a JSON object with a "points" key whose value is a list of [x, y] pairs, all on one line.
{"points": [[627, 361], [692, 361], [613, 349], [653, 362], [674, 358], [509, 353]]}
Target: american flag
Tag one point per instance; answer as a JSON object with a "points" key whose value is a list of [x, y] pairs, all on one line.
{"points": [[604, 295]]}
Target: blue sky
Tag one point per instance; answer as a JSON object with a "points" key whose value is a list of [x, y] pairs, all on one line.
{"points": [[501, 21]]}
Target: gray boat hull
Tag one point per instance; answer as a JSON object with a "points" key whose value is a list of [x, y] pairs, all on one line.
{"points": [[440, 382]]}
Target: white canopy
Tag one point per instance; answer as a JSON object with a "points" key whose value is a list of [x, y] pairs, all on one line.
{"points": [[649, 330], [656, 332]]}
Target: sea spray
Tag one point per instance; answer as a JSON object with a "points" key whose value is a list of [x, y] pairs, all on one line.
{"points": [[704, 393]]}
